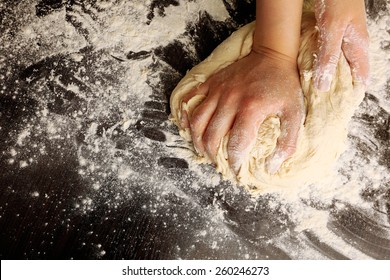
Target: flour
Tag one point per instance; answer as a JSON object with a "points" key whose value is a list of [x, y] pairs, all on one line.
{"points": [[101, 120], [379, 55]]}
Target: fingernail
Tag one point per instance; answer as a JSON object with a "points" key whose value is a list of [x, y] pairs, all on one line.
{"points": [[182, 123], [360, 81], [324, 77], [274, 162], [211, 155], [236, 167], [323, 82], [184, 120], [235, 163], [199, 154]]}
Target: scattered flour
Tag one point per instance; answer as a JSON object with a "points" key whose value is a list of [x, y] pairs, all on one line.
{"points": [[110, 108]]}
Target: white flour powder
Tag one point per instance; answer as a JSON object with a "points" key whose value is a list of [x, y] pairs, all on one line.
{"points": [[108, 169]]}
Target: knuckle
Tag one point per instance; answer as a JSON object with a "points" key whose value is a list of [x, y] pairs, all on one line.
{"points": [[251, 104], [331, 58], [230, 98]]}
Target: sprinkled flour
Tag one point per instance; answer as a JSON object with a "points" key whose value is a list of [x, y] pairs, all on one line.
{"points": [[94, 88]]}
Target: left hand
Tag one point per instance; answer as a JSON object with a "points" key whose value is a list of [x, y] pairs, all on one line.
{"points": [[342, 26]]}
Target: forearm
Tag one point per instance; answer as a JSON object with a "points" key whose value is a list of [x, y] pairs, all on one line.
{"points": [[278, 24]]}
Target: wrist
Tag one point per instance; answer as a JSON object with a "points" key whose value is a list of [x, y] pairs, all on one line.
{"points": [[278, 26], [275, 58], [275, 55]]}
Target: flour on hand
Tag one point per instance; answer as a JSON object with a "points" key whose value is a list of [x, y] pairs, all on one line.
{"points": [[322, 137]]}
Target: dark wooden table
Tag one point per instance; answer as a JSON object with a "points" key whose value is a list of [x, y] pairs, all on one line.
{"points": [[89, 173]]}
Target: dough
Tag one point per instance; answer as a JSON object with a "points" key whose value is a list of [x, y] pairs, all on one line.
{"points": [[323, 135]]}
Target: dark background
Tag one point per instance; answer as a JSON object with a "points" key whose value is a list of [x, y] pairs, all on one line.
{"points": [[49, 210]]}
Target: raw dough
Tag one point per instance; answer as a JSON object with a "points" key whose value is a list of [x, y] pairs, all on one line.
{"points": [[322, 138]]}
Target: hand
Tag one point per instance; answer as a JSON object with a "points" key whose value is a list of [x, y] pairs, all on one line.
{"points": [[342, 26], [239, 98]]}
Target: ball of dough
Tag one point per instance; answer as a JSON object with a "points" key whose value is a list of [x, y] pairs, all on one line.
{"points": [[322, 137]]}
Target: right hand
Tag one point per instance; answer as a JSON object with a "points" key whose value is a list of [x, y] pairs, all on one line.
{"points": [[239, 98]]}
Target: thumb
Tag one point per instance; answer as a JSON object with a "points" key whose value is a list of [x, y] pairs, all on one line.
{"points": [[327, 58]]}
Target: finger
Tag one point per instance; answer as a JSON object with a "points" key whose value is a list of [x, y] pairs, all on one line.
{"points": [[201, 89], [290, 124], [328, 56], [199, 120], [243, 137], [355, 49], [218, 127], [184, 121]]}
